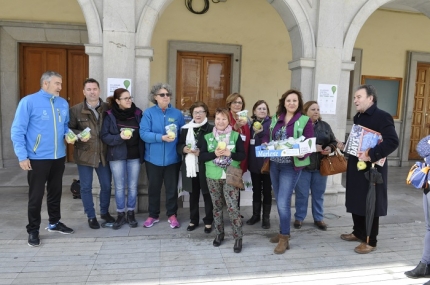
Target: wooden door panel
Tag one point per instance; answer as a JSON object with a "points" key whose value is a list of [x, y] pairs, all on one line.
{"points": [[202, 77], [216, 86], [189, 83], [77, 72], [421, 115]]}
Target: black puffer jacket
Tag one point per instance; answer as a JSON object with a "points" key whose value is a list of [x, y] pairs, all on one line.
{"points": [[325, 137]]}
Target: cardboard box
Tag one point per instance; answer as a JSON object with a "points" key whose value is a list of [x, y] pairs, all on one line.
{"points": [[304, 147]]}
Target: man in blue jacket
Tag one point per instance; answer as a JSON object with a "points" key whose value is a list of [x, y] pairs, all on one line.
{"points": [[37, 133]]}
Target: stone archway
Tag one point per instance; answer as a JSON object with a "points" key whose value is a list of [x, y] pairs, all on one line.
{"points": [[351, 34]]}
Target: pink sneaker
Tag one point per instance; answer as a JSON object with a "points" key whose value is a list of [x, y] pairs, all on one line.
{"points": [[150, 222], [173, 222]]}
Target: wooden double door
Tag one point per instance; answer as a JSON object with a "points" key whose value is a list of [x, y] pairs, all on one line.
{"points": [[202, 77], [421, 114], [69, 61]]}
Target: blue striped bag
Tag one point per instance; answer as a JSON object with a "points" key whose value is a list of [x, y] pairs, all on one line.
{"points": [[417, 175]]}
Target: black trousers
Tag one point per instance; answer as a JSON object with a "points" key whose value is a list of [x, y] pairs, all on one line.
{"points": [[49, 172], [261, 184], [359, 229], [194, 203], [156, 176]]}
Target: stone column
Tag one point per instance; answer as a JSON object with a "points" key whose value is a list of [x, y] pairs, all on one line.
{"points": [[330, 68], [143, 60]]}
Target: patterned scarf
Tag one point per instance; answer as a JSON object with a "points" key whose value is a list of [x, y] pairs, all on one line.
{"points": [[224, 136]]}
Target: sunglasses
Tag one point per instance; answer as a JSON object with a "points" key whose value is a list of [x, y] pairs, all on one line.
{"points": [[164, 94]]}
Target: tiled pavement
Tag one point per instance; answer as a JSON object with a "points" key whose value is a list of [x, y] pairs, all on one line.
{"points": [[161, 255]]}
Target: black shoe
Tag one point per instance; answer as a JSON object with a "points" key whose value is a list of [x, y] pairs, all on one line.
{"points": [[93, 223], [191, 227], [256, 212], [237, 246], [131, 219], [421, 271], [265, 224], [120, 220], [208, 230], [297, 224], [253, 220], [33, 239], [108, 218], [218, 239], [60, 228]]}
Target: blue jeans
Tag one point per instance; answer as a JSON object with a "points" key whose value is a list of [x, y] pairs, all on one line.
{"points": [[310, 179], [86, 180], [426, 251], [284, 179], [125, 175]]}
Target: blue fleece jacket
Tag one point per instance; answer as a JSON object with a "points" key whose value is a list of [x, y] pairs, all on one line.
{"points": [[39, 127], [152, 128]]}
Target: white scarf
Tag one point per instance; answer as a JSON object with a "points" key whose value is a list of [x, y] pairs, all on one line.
{"points": [[191, 160]]}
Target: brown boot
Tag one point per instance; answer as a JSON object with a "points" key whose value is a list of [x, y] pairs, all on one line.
{"points": [[274, 239], [283, 244]]}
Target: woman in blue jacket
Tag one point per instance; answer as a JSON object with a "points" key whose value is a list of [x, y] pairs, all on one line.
{"points": [[125, 151], [162, 160]]}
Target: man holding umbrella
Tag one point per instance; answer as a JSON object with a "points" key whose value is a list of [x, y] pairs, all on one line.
{"points": [[357, 182]]}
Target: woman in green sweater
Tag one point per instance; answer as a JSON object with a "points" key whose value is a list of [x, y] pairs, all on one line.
{"points": [[221, 148]]}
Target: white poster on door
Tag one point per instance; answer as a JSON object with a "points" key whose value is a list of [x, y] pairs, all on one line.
{"points": [[327, 97]]}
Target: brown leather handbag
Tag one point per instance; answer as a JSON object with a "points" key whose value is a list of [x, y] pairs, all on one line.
{"points": [[234, 177], [265, 169], [333, 164]]}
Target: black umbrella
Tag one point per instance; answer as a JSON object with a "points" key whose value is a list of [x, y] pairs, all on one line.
{"points": [[374, 178]]}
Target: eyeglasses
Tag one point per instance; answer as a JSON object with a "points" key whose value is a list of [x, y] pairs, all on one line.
{"points": [[237, 102], [165, 94], [199, 112], [127, 98]]}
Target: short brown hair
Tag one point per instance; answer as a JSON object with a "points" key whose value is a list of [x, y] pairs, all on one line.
{"points": [[281, 107], [199, 104], [258, 103], [306, 108], [223, 111], [232, 97]]}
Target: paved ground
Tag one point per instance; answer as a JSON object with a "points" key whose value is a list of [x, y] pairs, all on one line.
{"points": [[161, 255]]}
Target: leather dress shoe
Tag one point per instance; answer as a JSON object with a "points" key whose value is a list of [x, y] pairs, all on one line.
{"points": [[208, 229], [349, 237], [364, 248], [321, 225], [93, 223], [237, 246], [297, 224], [192, 227], [218, 239]]}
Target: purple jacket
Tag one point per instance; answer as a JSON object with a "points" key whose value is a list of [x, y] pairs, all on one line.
{"points": [[255, 163], [308, 131]]}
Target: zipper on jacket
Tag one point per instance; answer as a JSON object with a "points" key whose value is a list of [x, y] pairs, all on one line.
{"points": [[55, 126], [36, 144], [59, 116], [164, 143]]}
